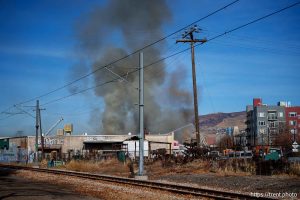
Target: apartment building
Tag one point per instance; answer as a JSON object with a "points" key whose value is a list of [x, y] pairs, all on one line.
{"points": [[292, 115], [264, 123]]}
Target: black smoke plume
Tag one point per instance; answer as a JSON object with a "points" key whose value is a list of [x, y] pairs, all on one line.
{"points": [[112, 31]]}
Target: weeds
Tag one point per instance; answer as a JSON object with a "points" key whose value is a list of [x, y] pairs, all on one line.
{"points": [[231, 167], [109, 166], [235, 167], [294, 169]]}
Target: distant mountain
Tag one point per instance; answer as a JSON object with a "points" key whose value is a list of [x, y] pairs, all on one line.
{"points": [[211, 122]]}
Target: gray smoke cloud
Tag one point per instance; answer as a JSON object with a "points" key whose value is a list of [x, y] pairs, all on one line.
{"points": [[114, 30]]}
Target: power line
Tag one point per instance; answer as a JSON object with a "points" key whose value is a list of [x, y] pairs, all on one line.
{"points": [[172, 55], [81, 91], [128, 55], [115, 79], [179, 52], [254, 21], [258, 47], [260, 43]]}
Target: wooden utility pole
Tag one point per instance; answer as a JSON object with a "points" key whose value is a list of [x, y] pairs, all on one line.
{"points": [[189, 37]]}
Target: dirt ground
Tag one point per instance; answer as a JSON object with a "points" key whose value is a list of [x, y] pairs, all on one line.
{"points": [[197, 173], [17, 188], [100, 189], [273, 184]]}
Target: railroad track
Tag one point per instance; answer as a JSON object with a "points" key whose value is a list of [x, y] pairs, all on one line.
{"points": [[179, 189]]}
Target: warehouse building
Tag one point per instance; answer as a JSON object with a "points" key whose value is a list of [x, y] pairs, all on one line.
{"points": [[65, 147]]}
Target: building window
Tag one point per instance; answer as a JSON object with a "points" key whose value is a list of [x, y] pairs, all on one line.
{"points": [[292, 114], [293, 123], [280, 114], [262, 131], [272, 116], [261, 114], [293, 131], [261, 123], [272, 124]]}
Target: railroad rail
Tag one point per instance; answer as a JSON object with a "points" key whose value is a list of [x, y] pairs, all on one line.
{"points": [[179, 189]]}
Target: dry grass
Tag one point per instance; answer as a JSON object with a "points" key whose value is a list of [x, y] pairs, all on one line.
{"points": [[222, 168], [230, 171], [111, 166], [195, 167], [295, 169], [158, 168], [236, 167], [43, 163]]}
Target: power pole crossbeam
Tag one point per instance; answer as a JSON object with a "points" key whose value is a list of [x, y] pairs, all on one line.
{"points": [[189, 38], [192, 41]]}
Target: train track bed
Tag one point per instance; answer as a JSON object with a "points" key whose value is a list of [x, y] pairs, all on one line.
{"points": [[99, 189], [261, 184], [112, 187]]}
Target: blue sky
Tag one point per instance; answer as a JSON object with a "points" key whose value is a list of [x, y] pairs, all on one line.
{"points": [[38, 53]]}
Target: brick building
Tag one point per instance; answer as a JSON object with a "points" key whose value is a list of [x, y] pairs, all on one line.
{"points": [[292, 115]]}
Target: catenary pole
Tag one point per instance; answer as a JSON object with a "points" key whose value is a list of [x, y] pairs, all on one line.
{"points": [[41, 133], [36, 130], [141, 116]]}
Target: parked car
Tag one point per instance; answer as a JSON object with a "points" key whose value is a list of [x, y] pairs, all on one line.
{"points": [[240, 154], [213, 154]]}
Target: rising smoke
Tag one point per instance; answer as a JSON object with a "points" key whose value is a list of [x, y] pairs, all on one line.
{"points": [[114, 30]]}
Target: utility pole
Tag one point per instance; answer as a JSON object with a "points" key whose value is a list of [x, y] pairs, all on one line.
{"points": [[41, 133], [189, 37], [38, 129], [37, 108], [141, 116]]}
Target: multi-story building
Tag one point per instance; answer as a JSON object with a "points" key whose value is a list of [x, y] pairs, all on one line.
{"points": [[240, 139], [292, 115], [264, 123]]}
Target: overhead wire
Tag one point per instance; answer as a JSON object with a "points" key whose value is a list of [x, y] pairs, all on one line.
{"points": [[260, 44], [184, 50], [128, 55], [174, 54], [254, 21], [260, 48]]}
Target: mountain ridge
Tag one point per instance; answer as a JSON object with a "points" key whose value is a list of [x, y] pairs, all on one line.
{"points": [[211, 122]]}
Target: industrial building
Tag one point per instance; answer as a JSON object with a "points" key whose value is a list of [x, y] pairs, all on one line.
{"points": [[64, 147]]}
